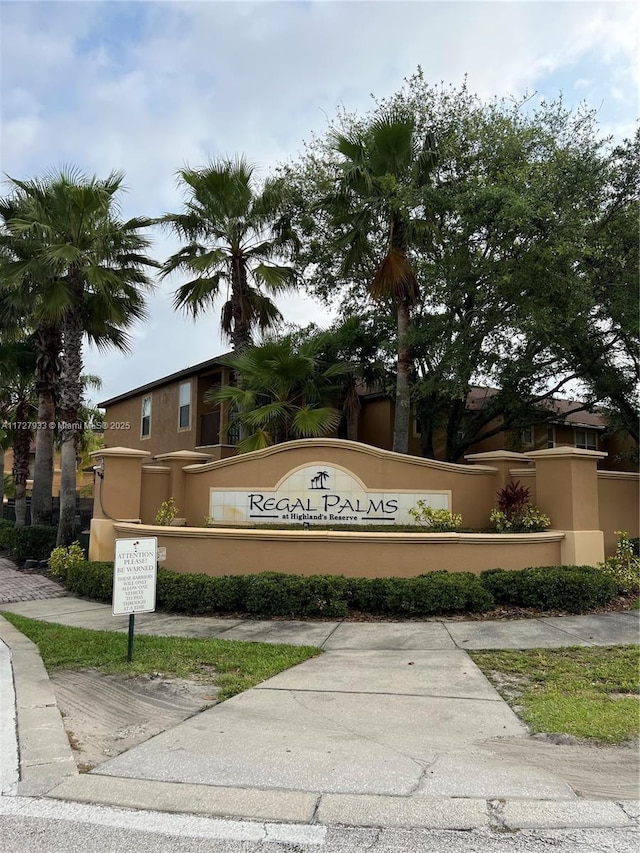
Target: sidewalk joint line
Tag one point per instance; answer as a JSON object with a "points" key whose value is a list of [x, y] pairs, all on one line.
{"points": [[376, 693]]}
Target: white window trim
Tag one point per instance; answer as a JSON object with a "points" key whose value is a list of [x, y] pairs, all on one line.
{"points": [[551, 430], [148, 397], [523, 440], [180, 405], [591, 433]]}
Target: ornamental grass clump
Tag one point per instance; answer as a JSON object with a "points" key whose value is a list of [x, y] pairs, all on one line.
{"points": [[515, 513]]}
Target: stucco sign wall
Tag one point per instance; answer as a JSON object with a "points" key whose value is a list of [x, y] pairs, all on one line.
{"points": [[319, 494]]}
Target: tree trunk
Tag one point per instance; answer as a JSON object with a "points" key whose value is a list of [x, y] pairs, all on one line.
{"points": [[1, 481], [70, 399], [403, 401], [21, 447], [240, 306], [48, 371], [455, 444], [43, 467], [241, 332], [426, 440]]}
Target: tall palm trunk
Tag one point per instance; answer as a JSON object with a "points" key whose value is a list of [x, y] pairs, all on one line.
{"points": [[403, 401], [48, 369], [21, 447], [1, 481], [241, 334], [70, 398]]}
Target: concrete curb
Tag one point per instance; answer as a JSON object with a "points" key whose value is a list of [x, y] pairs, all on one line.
{"points": [[47, 768], [306, 807], [45, 756]]}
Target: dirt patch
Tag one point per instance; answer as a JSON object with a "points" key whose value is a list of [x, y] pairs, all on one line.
{"points": [[105, 715], [594, 772]]}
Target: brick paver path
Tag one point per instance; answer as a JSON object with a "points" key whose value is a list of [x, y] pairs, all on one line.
{"points": [[25, 586]]}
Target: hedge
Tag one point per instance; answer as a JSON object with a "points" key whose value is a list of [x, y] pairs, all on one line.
{"points": [[571, 588], [425, 595], [268, 594], [27, 543], [7, 530]]}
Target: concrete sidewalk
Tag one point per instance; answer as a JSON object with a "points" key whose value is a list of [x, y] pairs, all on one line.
{"points": [[393, 725]]}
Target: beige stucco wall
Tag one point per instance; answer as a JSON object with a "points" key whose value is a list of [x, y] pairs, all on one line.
{"points": [[154, 491], [165, 435], [618, 494], [222, 551]]}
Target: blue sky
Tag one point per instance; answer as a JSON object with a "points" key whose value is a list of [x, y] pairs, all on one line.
{"points": [[146, 87]]}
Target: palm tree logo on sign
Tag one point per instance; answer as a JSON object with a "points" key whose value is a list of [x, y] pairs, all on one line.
{"points": [[317, 482]]}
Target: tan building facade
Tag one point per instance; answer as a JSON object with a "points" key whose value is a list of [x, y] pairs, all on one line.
{"points": [[170, 414]]}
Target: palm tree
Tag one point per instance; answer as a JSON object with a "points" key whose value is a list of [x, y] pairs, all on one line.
{"points": [[232, 234], [17, 399], [16, 305], [282, 392], [86, 274], [378, 189]]}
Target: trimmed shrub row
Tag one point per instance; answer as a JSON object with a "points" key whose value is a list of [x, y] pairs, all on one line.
{"points": [[27, 543], [571, 588], [6, 533]]}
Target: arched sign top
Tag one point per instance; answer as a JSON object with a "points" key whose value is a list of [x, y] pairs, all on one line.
{"points": [[321, 476]]}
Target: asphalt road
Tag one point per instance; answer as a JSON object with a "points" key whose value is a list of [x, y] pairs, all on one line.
{"points": [[41, 835]]}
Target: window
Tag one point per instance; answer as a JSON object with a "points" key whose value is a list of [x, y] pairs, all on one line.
{"points": [[184, 406], [586, 439], [145, 426], [526, 437], [551, 436]]}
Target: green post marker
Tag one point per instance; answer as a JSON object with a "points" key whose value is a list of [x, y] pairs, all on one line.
{"points": [[132, 619]]}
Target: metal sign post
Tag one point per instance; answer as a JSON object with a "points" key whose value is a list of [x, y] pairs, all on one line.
{"points": [[134, 581]]}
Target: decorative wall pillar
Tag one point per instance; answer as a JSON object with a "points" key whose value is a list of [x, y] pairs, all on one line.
{"points": [[567, 491], [176, 462], [502, 461], [116, 496]]}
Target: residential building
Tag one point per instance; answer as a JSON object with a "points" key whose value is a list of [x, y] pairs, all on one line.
{"points": [[170, 414]]}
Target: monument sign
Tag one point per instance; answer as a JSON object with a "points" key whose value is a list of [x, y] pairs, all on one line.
{"points": [[320, 494]]}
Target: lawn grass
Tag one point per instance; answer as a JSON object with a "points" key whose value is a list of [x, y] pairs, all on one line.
{"points": [[232, 665], [588, 693]]}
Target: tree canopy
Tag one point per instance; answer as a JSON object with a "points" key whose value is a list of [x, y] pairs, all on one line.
{"points": [[529, 283]]}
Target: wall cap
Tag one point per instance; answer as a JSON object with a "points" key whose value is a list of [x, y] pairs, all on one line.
{"points": [[156, 469], [181, 456], [498, 456], [344, 536], [566, 453], [619, 475], [522, 472], [123, 452], [342, 444]]}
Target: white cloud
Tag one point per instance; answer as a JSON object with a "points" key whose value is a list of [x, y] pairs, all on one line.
{"points": [[148, 87]]}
